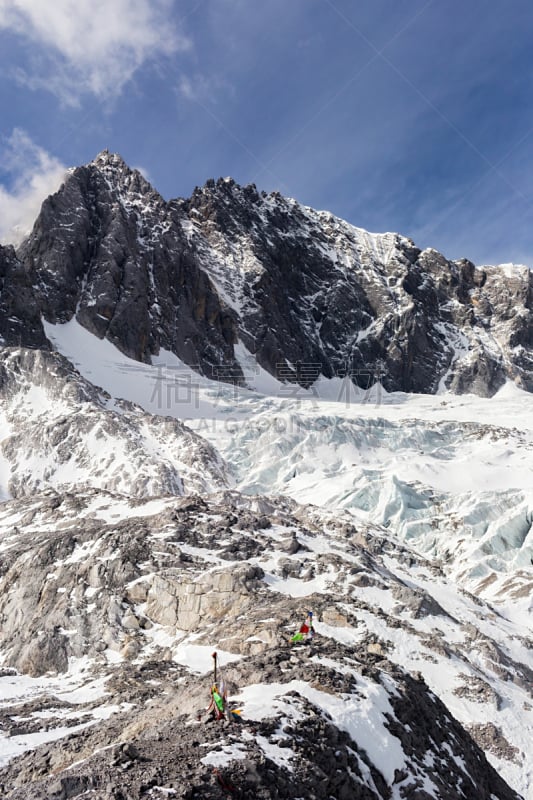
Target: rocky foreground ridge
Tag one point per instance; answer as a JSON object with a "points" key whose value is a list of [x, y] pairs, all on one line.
{"points": [[304, 292], [135, 596]]}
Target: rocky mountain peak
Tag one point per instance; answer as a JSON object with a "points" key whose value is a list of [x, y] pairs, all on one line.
{"points": [[108, 159], [296, 286], [121, 177], [225, 203], [110, 251]]}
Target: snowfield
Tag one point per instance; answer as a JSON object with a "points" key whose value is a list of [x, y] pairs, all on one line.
{"points": [[434, 576], [451, 475]]}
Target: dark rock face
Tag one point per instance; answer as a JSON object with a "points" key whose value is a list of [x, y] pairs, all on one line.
{"points": [[313, 289], [20, 319], [107, 249], [306, 293]]}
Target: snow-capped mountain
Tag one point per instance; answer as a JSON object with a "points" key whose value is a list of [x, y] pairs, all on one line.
{"points": [[215, 415], [304, 292]]}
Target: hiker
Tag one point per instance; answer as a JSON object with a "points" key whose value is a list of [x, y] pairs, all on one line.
{"points": [[306, 632], [216, 708]]}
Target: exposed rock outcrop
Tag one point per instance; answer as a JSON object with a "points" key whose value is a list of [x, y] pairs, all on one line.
{"points": [[20, 312], [108, 249], [306, 293], [139, 589]]}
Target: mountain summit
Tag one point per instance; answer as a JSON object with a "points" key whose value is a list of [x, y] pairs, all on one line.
{"points": [[294, 286]]}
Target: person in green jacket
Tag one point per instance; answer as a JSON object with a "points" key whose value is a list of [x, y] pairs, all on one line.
{"points": [[306, 632], [217, 707]]}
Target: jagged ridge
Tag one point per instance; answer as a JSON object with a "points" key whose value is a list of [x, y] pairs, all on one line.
{"points": [[297, 287]]}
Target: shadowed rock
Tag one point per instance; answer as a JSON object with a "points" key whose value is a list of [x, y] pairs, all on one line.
{"points": [[305, 292]]}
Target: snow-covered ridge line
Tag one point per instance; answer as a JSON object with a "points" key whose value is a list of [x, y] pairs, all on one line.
{"points": [[59, 430], [306, 294]]}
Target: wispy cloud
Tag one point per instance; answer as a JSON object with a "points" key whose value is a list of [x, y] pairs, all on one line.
{"points": [[90, 46], [204, 88], [494, 228], [35, 174], [144, 172]]}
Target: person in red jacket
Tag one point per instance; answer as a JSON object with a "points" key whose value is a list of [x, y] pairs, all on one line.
{"points": [[306, 631]]}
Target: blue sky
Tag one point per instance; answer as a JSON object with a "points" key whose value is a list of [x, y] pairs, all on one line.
{"points": [[402, 115]]}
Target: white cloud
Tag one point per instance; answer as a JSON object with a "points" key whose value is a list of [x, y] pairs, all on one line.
{"points": [[90, 46], [36, 174]]}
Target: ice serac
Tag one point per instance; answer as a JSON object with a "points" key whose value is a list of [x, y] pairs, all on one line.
{"points": [[297, 287], [109, 250]]}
